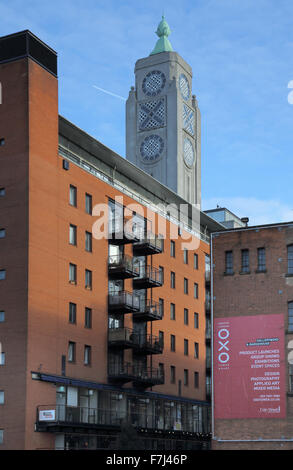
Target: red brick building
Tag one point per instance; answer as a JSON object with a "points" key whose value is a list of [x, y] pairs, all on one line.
{"points": [[92, 332], [252, 278]]}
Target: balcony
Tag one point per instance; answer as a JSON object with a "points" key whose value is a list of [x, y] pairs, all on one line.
{"points": [[120, 233], [149, 311], [208, 306], [126, 338], [61, 418], [149, 244], [140, 376], [123, 338], [122, 267], [56, 417], [123, 302], [208, 333], [207, 276], [149, 344], [149, 277]]}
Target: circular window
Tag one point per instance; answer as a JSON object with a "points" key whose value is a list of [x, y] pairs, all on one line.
{"points": [[151, 148], [188, 152], [153, 83]]}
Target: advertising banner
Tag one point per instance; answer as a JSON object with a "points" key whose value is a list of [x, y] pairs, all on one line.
{"points": [[249, 367]]}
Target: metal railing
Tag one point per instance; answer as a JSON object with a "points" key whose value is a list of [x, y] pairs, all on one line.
{"points": [[150, 307], [149, 238], [123, 299], [150, 273], [123, 262], [135, 372], [78, 415], [141, 341]]}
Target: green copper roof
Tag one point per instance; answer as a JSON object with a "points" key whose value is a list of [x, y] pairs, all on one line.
{"points": [[163, 44]]}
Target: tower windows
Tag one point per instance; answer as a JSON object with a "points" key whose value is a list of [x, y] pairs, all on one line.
{"points": [[245, 261], [290, 259]]}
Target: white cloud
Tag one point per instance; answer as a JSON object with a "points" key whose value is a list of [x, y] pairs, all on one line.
{"points": [[259, 211]]}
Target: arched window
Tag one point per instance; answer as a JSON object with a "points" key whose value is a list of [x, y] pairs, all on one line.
{"points": [[290, 258]]}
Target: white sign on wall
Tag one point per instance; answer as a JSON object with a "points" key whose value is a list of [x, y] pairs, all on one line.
{"points": [[47, 415]]}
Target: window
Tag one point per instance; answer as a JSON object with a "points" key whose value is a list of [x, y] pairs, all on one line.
{"points": [[261, 259], [1, 436], [2, 316], [195, 320], [172, 343], [186, 347], [185, 377], [2, 192], [72, 196], [72, 312], [291, 378], [161, 369], [88, 317], [172, 374], [229, 262], [2, 233], [172, 311], [196, 350], [245, 261], [161, 271], [195, 290], [290, 316], [2, 359], [88, 279], [87, 355], [72, 273], [88, 204], [2, 397], [161, 307], [195, 261], [172, 280], [186, 316], [72, 235], [207, 267], [185, 256], [161, 338], [185, 286], [196, 379], [71, 351], [2, 141], [65, 165], [172, 249], [88, 242], [290, 259], [2, 274]]}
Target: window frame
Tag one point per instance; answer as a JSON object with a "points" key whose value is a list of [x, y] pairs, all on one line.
{"points": [[72, 234], [88, 207], [72, 195], [290, 259]]}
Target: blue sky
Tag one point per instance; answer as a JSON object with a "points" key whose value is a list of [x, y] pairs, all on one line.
{"points": [[241, 52]]}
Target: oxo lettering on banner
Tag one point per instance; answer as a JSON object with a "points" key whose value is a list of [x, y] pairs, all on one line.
{"points": [[223, 348]]}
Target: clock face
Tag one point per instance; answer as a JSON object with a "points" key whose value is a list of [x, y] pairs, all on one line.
{"points": [[188, 153], [151, 148], [153, 83], [184, 87]]}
